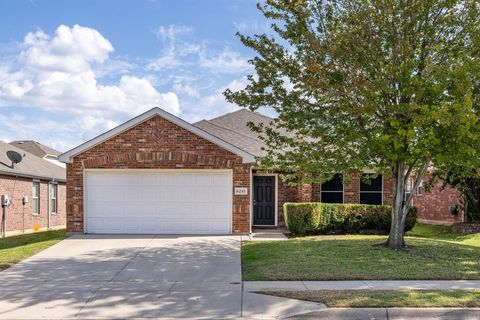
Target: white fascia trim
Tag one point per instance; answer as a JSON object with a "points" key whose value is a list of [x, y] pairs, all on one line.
{"points": [[67, 156]]}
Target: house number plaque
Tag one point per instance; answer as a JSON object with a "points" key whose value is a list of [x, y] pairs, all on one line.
{"points": [[240, 191]]}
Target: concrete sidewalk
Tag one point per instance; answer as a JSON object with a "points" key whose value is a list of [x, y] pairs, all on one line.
{"points": [[360, 284], [392, 314]]}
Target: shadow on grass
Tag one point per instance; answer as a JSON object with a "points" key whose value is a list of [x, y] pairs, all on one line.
{"points": [[359, 258], [31, 238], [386, 298]]}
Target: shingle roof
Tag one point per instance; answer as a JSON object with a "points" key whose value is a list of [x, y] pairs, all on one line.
{"points": [[232, 128], [35, 147], [30, 166], [242, 141]]}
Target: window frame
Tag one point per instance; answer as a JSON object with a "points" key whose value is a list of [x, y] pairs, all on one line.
{"points": [[333, 191], [36, 198], [420, 189], [53, 200], [369, 191], [409, 188]]}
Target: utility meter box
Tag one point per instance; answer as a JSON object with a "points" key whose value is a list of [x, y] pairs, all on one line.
{"points": [[5, 201]]}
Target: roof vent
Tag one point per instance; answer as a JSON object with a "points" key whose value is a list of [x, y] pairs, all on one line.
{"points": [[15, 157]]}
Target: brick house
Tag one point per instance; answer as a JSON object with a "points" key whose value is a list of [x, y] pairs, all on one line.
{"points": [[157, 173], [36, 189]]}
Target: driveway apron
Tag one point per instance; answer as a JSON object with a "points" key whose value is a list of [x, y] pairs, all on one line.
{"points": [[107, 276]]}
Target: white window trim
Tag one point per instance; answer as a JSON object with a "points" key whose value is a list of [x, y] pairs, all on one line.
{"points": [[360, 187], [51, 199], [35, 181]]}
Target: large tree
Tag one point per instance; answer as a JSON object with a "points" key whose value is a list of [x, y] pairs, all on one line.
{"points": [[392, 85]]}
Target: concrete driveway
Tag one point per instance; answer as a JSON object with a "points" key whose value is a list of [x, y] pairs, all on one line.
{"points": [[91, 276]]}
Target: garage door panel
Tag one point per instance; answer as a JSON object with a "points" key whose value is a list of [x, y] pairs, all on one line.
{"points": [[219, 194], [104, 209], [158, 202], [167, 180], [203, 180], [203, 194], [105, 225], [221, 181]]}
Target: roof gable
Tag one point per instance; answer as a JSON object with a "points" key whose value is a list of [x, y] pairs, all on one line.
{"points": [[67, 156]]}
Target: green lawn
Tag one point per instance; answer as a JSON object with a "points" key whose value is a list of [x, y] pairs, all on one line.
{"points": [[387, 298], [433, 253], [17, 248]]}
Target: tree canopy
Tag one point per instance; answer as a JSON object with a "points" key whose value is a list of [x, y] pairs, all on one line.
{"points": [[387, 84]]}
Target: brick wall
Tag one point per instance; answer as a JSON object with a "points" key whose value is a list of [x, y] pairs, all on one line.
{"points": [[351, 188], [286, 193], [434, 206], [460, 227], [19, 216], [156, 144]]}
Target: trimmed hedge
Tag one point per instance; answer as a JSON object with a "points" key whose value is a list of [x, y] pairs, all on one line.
{"points": [[320, 218]]}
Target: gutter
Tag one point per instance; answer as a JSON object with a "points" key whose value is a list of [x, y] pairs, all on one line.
{"points": [[26, 175]]}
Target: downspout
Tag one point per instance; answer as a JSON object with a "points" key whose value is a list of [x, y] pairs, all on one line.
{"points": [[251, 202], [48, 204]]}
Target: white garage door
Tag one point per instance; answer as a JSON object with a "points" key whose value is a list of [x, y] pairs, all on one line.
{"points": [[149, 202]]}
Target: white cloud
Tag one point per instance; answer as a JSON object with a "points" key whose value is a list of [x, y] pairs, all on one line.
{"points": [[56, 73], [214, 105], [171, 32], [252, 26], [179, 52], [71, 50], [175, 48], [226, 61], [186, 89]]}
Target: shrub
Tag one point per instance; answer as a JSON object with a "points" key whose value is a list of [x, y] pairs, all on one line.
{"points": [[320, 218]]}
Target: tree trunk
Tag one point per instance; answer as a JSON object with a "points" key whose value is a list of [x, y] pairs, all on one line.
{"points": [[401, 205], [397, 229]]}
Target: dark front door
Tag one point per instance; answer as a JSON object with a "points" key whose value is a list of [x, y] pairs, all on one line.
{"points": [[264, 200]]}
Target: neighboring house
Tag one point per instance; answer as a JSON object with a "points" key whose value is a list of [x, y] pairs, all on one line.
{"points": [[39, 150], [157, 173], [37, 191]]}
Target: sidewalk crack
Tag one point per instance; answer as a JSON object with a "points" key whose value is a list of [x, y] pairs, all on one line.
{"points": [[304, 285], [366, 283]]}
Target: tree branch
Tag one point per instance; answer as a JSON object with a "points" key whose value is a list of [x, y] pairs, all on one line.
{"points": [[418, 180]]}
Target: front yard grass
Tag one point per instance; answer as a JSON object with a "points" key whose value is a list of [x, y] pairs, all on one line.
{"points": [[17, 248], [433, 253], [387, 298]]}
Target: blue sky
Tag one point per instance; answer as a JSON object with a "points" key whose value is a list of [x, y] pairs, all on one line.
{"points": [[70, 70]]}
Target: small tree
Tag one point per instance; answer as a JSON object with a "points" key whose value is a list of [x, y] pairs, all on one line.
{"points": [[385, 84], [467, 182]]}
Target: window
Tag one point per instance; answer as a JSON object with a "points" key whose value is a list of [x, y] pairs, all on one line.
{"points": [[53, 198], [420, 188], [371, 189], [408, 188], [332, 190], [36, 197]]}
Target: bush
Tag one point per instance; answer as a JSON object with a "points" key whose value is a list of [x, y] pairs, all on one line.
{"points": [[320, 218]]}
